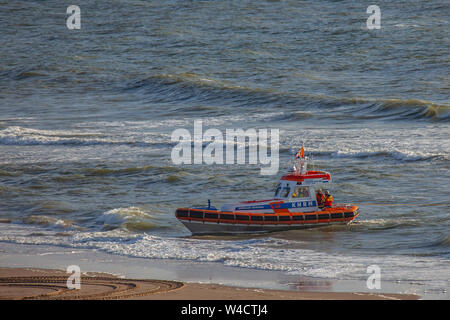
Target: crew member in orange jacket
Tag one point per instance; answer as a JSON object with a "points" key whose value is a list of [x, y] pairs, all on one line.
{"points": [[320, 198], [328, 202]]}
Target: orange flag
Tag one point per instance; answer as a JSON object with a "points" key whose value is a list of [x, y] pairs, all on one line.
{"points": [[300, 153]]}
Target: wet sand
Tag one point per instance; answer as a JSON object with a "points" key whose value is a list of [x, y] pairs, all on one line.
{"points": [[48, 284]]}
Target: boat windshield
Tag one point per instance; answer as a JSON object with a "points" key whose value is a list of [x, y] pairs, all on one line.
{"points": [[285, 192], [277, 190]]}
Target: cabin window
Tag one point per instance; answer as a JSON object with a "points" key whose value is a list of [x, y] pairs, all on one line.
{"points": [[285, 192], [277, 190], [300, 192]]}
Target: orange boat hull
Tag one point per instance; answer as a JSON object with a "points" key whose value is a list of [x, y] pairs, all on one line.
{"points": [[203, 221]]}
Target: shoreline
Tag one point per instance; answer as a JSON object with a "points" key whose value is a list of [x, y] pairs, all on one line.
{"points": [[203, 279], [51, 284]]}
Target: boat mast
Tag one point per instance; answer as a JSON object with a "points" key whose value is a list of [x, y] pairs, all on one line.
{"points": [[301, 167]]}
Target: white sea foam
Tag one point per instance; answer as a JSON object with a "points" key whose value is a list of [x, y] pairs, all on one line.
{"points": [[26, 136], [20, 136], [397, 144], [413, 146], [265, 254]]}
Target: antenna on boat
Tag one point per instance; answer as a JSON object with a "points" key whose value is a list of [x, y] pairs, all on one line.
{"points": [[312, 160]]}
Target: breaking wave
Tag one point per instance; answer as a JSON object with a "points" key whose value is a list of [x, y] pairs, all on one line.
{"points": [[399, 108], [29, 137], [385, 224], [394, 154], [386, 154], [46, 221], [263, 254], [192, 89], [132, 219], [444, 242]]}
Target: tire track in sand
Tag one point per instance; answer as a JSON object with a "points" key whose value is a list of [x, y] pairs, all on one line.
{"points": [[92, 288]]}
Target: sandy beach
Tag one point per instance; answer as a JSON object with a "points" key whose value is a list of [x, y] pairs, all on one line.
{"points": [[49, 284]]}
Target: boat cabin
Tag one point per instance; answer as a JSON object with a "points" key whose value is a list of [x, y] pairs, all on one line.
{"points": [[295, 191]]}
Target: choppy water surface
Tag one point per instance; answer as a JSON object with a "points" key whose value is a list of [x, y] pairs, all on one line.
{"points": [[86, 121]]}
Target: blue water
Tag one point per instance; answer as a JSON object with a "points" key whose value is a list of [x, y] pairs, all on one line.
{"points": [[86, 118]]}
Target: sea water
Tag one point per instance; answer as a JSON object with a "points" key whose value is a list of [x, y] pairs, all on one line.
{"points": [[86, 118]]}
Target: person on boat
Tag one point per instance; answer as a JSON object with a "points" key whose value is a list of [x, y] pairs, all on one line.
{"points": [[328, 201], [320, 198]]}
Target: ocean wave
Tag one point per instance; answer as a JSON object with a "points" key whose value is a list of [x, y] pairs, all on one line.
{"points": [[51, 222], [110, 171], [7, 173], [20, 136], [175, 178], [301, 115], [264, 254], [398, 109], [395, 154], [52, 207], [191, 86], [385, 224], [444, 241], [154, 169], [192, 89], [132, 219], [16, 135], [24, 74]]}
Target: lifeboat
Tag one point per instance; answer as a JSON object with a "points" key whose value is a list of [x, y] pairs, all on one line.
{"points": [[294, 206]]}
